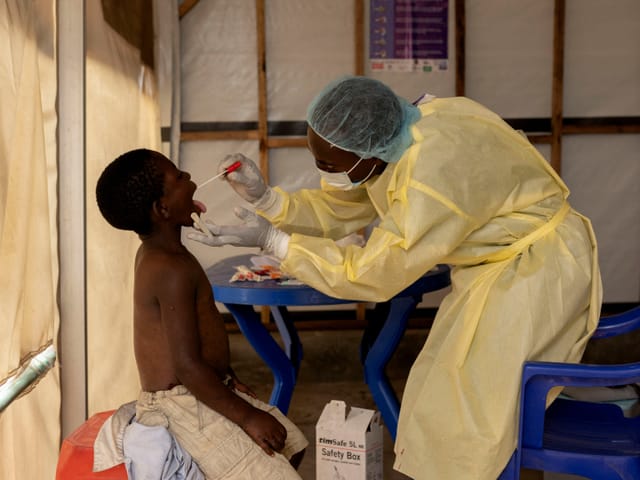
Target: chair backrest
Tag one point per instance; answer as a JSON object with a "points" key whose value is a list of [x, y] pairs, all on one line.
{"points": [[618, 324], [538, 378]]}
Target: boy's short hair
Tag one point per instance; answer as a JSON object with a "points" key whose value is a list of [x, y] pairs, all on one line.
{"points": [[127, 188]]}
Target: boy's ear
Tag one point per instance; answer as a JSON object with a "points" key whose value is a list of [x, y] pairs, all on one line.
{"points": [[160, 209]]}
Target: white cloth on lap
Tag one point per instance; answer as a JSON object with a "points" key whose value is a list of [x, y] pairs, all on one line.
{"points": [[147, 452]]}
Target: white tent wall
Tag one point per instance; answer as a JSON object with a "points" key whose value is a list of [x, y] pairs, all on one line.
{"points": [[509, 58], [122, 113], [29, 426], [602, 79]]}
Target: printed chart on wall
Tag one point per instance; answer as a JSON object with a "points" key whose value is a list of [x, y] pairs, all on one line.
{"points": [[409, 35]]}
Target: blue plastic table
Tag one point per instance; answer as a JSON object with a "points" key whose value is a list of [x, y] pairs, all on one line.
{"points": [[241, 297]]}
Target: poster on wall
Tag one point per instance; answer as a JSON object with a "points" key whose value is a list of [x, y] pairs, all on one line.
{"points": [[409, 35]]}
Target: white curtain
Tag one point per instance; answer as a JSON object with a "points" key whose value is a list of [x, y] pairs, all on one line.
{"points": [[29, 426]]}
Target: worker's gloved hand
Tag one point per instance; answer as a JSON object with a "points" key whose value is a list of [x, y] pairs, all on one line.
{"points": [[247, 180], [255, 231]]}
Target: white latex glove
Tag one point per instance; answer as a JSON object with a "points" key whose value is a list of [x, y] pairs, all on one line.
{"points": [[247, 180], [255, 231]]}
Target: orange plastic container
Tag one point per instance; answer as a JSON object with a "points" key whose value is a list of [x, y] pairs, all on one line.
{"points": [[76, 455]]}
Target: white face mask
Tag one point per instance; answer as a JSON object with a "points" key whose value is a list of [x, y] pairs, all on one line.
{"points": [[341, 180]]}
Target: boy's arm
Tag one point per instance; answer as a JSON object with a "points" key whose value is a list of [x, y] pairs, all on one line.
{"points": [[176, 293]]}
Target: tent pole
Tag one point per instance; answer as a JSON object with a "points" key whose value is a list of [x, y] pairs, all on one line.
{"points": [[71, 212]]}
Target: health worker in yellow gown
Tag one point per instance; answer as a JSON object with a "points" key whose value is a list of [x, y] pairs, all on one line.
{"points": [[448, 181]]}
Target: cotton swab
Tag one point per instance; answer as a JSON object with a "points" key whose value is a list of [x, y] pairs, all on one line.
{"points": [[201, 226], [194, 216], [229, 169]]}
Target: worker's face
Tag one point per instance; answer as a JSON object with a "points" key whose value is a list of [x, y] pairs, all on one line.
{"points": [[333, 159]]}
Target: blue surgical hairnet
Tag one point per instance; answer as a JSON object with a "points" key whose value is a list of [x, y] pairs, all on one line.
{"points": [[363, 116]]}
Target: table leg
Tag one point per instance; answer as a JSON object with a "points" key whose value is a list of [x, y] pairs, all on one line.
{"points": [[375, 321], [284, 372], [289, 335], [378, 356]]}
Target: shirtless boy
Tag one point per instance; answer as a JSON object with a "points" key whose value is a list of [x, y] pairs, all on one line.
{"points": [[181, 345]]}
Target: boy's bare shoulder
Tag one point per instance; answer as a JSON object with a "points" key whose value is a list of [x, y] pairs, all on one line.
{"points": [[166, 266]]}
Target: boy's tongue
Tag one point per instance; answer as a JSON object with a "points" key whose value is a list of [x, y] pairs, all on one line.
{"points": [[200, 207]]}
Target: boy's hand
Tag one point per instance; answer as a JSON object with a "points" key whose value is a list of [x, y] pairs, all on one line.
{"points": [[266, 431]]}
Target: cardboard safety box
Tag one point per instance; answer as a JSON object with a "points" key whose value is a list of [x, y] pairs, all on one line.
{"points": [[349, 443]]}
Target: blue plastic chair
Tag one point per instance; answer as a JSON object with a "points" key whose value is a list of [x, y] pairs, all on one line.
{"points": [[594, 440]]}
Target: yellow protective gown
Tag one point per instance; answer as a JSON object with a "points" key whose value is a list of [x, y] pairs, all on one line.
{"points": [[475, 194]]}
